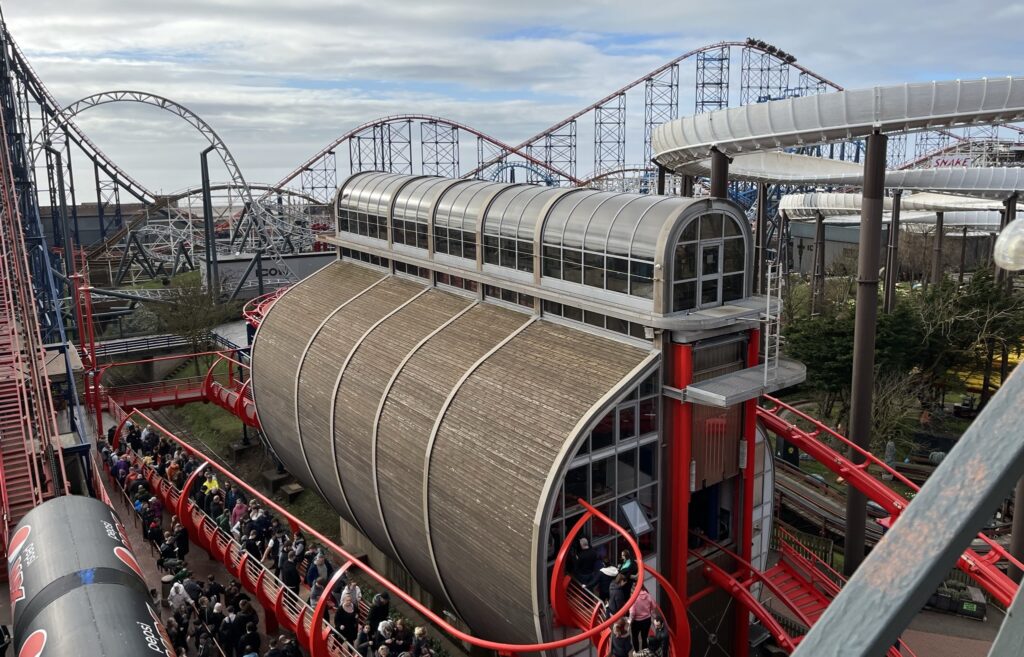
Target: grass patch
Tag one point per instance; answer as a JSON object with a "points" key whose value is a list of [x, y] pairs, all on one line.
{"points": [[312, 509], [210, 424]]}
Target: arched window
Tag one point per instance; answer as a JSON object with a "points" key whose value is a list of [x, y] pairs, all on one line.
{"points": [[710, 263]]}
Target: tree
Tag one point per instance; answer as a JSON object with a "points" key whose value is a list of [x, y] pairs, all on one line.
{"points": [[192, 312]]}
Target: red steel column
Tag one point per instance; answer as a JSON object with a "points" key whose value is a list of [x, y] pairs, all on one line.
{"points": [[742, 647], [678, 470]]}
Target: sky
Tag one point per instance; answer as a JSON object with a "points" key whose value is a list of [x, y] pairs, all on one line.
{"points": [[279, 80]]}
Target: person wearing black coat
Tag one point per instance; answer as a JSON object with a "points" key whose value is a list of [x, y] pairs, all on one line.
{"points": [[379, 611], [658, 642], [622, 645], [346, 619], [605, 577], [618, 594], [248, 641]]}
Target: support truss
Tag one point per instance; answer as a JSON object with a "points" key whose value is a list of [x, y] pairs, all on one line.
{"points": [[763, 76], [610, 135], [320, 180], [661, 103], [712, 91], [439, 149]]}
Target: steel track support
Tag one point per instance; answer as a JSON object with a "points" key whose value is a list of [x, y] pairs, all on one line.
{"points": [[861, 387]]}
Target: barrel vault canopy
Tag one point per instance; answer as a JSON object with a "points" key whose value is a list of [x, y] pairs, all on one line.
{"points": [[436, 424]]}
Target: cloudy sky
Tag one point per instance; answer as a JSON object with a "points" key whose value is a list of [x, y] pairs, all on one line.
{"points": [[278, 80]]}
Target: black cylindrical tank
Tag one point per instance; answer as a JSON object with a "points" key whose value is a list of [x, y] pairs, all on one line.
{"points": [[76, 587]]}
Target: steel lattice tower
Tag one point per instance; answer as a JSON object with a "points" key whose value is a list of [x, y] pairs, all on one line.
{"points": [[560, 148], [763, 76], [712, 90], [610, 135], [661, 103], [927, 143], [439, 149], [321, 180]]}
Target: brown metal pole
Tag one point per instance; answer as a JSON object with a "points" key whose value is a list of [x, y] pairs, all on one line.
{"points": [[761, 229], [892, 255], [818, 276], [937, 248], [963, 256], [686, 186], [661, 180], [719, 174], [861, 386], [1008, 214]]}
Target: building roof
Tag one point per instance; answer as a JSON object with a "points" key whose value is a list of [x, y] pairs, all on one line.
{"points": [[438, 425]]}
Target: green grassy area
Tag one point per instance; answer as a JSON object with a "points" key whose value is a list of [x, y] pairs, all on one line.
{"points": [[210, 424], [313, 510]]}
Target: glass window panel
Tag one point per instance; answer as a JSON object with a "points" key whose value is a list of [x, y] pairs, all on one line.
{"points": [[684, 296], [552, 308], [686, 262], [524, 257], [598, 529], [572, 265], [690, 232], [491, 291], [602, 480], [509, 296], [469, 247], [593, 269], [627, 421], [603, 434], [399, 233], [525, 300], [627, 471], [732, 287], [648, 463], [649, 415], [731, 227], [649, 386], [637, 330], [617, 325], [576, 486], [508, 253], [711, 260], [640, 279], [556, 511], [618, 275], [648, 499], [552, 262], [594, 319], [734, 255], [584, 448], [570, 312], [491, 249], [444, 279], [709, 291], [710, 226], [648, 542]]}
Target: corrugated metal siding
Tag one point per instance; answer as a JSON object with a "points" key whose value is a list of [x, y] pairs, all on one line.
{"points": [[319, 375], [493, 452], [362, 386], [408, 418], [275, 356], [717, 432]]}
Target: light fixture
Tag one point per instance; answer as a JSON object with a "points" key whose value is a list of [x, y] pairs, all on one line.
{"points": [[1009, 250]]}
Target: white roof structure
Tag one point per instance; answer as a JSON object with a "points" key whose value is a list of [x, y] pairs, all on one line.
{"points": [[836, 208], [745, 132]]}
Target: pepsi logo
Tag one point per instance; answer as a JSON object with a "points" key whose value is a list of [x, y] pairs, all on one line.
{"points": [[17, 586], [18, 542], [34, 644], [128, 559]]}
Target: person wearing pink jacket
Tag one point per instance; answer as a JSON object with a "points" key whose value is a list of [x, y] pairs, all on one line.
{"points": [[640, 620]]}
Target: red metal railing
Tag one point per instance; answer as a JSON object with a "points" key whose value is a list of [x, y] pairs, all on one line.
{"points": [[256, 309], [28, 420], [983, 569], [294, 614]]}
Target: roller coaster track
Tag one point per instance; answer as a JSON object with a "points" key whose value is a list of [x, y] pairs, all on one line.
{"points": [[984, 569]]}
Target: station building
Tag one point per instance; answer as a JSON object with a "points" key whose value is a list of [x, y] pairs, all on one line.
{"points": [[482, 355]]}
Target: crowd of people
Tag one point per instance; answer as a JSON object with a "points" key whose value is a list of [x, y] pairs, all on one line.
{"points": [[641, 629], [208, 618]]}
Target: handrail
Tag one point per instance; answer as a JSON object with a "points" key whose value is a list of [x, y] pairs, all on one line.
{"points": [[982, 568], [257, 308], [366, 570]]}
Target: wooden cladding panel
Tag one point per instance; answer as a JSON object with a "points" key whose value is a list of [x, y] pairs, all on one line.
{"points": [[408, 418], [318, 377], [285, 330], [359, 394], [498, 442]]}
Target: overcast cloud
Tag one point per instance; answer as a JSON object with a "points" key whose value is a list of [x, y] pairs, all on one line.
{"points": [[278, 81]]}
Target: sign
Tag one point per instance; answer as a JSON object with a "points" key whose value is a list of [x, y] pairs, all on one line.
{"points": [[948, 161]]}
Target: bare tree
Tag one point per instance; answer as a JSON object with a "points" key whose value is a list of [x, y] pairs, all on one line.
{"points": [[192, 312]]}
